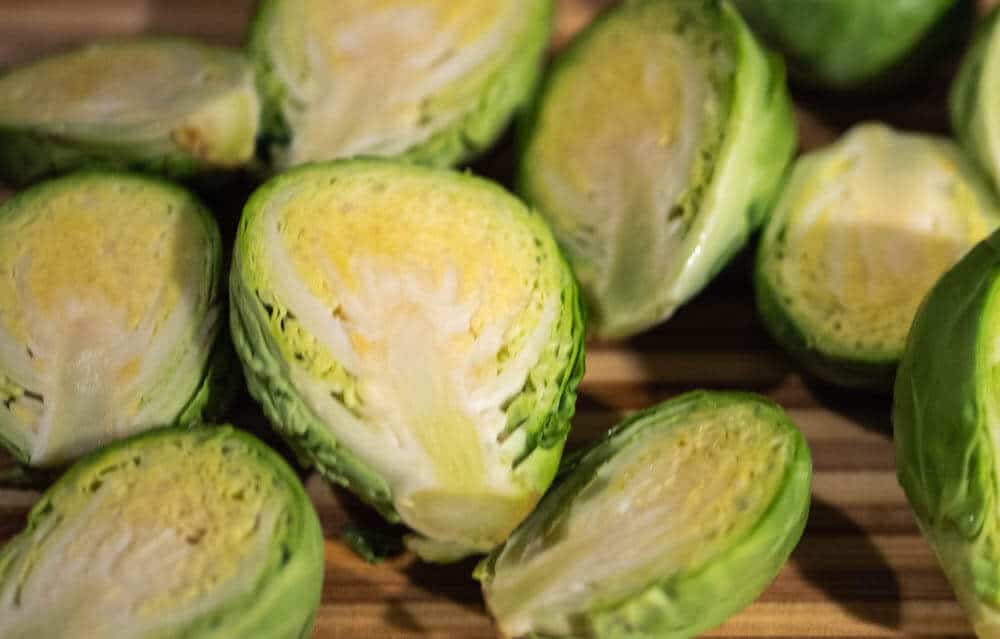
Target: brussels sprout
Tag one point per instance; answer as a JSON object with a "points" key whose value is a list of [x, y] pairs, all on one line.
{"points": [[945, 427], [854, 44], [861, 232], [109, 309], [676, 520], [656, 147], [975, 97], [165, 105], [416, 335], [186, 534], [431, 81]]}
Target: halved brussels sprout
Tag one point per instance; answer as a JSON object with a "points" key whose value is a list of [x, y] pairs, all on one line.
{"points": [[657, 145], [416, 335], [432, 81], [173, 534], [853, 44], [945, 427], [164, 105], [975, 98], [861, 232], [109, 309], [676, 520]]}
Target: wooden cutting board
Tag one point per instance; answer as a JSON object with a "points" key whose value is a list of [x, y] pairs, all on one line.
{"points": [[861, 570]]}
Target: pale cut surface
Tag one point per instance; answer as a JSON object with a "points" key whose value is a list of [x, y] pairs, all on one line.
{"points": [[669, 502], [150, 539], [425, 292], [104, 319], [378, 77], [613, 154], [871, 230]]}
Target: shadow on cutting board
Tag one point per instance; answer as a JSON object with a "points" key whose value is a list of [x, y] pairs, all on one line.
{"points": [[837, 556]]}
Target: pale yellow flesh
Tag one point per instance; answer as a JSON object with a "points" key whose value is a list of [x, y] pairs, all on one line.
{"points": [[668, 503], [379, 77], [436, 317], [97, 286], [613, 153], [872, 230], [163, 537]]}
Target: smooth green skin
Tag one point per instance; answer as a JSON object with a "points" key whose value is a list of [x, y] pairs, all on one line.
{"points": [[688, 603], [854, 44], [283, 603], [974, 95], [506, 93], [255, 331], [220, 379], [734, 195], [838, 363], [945, 423], [29, 153]]}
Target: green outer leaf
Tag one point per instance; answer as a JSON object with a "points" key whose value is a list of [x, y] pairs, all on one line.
{"points": [[689, 603], [219, 377], [505, 93], [975, 116], [853, 44], [283, 602], [29, 153], [945, 420], [268, 374], [758, 141]]}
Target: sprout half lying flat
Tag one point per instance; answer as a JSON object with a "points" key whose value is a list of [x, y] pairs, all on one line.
{"points": [[158, 104], [975, 98], [174, 534], [849, 44], [108, 313], [433, 81], [415, 334], [946, 428], [658, 143], [679, 518], [862, 231]]}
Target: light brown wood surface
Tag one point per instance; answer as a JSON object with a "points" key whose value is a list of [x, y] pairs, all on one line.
{"points": [[861, 570]]}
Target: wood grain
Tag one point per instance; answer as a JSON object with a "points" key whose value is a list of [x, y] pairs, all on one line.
{"points": [[862, 570]]}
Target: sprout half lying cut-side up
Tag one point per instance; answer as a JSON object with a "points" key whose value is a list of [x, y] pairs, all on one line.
{"points": [[165, 105], [109, 309], [416, 335], [975, 98], [433, 81], [853, 44], [676, 520], [173, 534], [946, 422], [659, 140], [861, 232]]}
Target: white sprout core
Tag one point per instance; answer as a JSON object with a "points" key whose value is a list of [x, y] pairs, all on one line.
{"points": [[104, 321], [415, 288], [670, 501], [377, 77]]}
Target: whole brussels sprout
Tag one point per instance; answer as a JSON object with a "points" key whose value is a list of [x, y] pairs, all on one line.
{"points": [[975, 98], [109, 310], [415, 334], [656, 147], [858, 44], [861, 232], [676, 520], [945, 428], [173, 534], [430, 81], [164, 105]]}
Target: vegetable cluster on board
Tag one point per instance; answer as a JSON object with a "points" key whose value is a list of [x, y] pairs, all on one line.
{"points": [[416, 334]]}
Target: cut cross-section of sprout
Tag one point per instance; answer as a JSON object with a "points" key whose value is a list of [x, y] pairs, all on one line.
{"points": [[414, 333]]}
